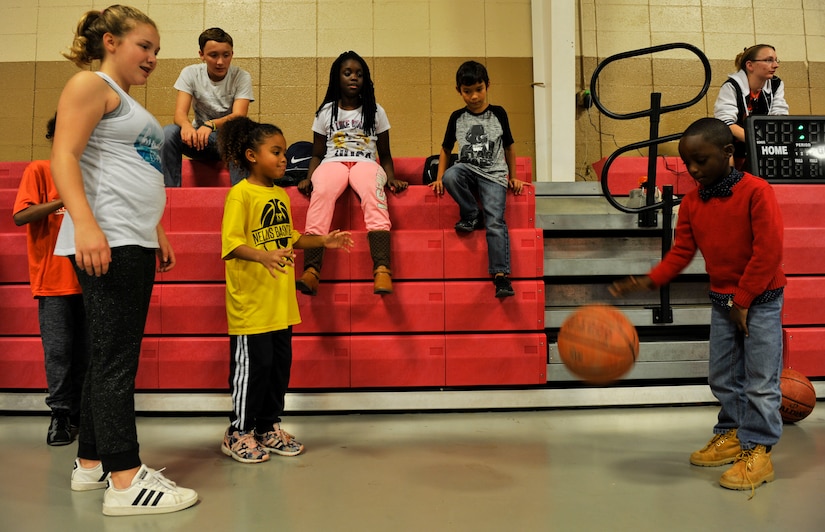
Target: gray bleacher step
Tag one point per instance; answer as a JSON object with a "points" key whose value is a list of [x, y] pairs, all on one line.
{"points": [[581, 206], [639, 316], [606, 255], [656, 360]]}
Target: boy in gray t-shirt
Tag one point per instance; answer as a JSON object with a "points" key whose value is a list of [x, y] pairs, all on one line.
{"points": [[217, 92], [486, 167]]}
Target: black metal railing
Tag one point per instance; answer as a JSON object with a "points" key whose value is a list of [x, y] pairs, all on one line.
{"points": [[647, 212]]}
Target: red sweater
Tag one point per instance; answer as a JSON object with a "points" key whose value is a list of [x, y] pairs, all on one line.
{"points": [[740, 237]]}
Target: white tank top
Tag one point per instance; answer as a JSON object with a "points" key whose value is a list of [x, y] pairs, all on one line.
{"points": [[122, 177]]}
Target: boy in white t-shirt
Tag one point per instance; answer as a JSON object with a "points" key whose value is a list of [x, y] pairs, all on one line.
{"points": [[216, 92]]}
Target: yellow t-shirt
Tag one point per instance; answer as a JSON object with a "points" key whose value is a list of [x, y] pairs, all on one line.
{"points": [[257, 302]]}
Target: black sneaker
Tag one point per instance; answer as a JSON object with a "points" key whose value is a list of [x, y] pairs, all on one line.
{"points": [[60, 432], [468, 226], [504, 288]]}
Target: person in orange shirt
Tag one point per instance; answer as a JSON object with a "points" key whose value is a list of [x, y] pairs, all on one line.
{"points": [[59, 300]]}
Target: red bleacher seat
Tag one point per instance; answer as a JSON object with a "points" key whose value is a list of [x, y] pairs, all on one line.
{"points": [[803, 301], [465, 255], [483, 359], [803, 352], [193, 363], [14, 260], [198, 257], [328, 312], [387, 361], [194, 210], [804, 251], [21, 363], [11, 173], [320, 362], [801, 205], [148, 375], [473, 307], [412, 307], [414, 255], [192, 308], [7, 225], [18, 313], [204, 174]]}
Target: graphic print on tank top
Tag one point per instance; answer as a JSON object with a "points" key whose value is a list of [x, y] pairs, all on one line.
{"points": [[148, 147]]}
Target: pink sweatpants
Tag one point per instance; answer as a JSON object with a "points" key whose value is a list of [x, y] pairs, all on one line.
{"points": [[329, 181]]}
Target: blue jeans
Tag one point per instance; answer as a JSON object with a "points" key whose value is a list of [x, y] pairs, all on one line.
{"points": [[744, 373], [174, 149], [462, 182]]}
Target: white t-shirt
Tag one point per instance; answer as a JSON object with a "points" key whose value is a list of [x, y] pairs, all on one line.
{"points": [[214, 99], [346, 140], [122, 177]]}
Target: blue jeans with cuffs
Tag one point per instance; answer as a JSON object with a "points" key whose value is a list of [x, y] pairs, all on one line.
{"points": [[744, 373]]}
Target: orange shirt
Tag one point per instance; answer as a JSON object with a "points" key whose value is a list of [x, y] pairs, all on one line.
{"points": [[50, 275]]}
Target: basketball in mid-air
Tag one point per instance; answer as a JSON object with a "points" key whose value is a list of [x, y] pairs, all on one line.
{"points": [[598, 344], [798, 396]]}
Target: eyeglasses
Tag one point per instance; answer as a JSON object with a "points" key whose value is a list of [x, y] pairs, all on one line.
{"points": [[767, 60]]}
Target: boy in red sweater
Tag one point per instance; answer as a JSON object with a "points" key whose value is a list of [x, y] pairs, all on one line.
{"points": [[735, 221]]}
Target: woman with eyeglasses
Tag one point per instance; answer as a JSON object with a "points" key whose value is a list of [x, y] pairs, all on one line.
{"points": [[753, 90]]}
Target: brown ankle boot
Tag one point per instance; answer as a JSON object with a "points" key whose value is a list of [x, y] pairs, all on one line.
{"points": [[380, 251], [382, 279], [751, 469], [308, 282]]}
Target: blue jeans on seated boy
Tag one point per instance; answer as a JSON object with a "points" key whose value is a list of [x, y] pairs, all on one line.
{"points": [[174, 149], [462, 182], [744, 373]]}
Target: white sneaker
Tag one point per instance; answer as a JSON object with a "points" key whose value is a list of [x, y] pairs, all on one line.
{"points": [[88, 479], [150, 493]]}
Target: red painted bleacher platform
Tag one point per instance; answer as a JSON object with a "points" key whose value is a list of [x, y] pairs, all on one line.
{"points": [[441, 327]]}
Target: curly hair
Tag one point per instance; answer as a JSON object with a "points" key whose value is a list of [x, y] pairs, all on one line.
{"points": [[368, 105], [240, 134], [88, 39]]}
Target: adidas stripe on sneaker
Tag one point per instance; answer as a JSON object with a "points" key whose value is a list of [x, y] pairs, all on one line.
{"points": [[88, 479], [150, 493]]}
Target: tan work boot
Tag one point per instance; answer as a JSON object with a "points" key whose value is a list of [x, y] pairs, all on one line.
{"points": [[308, 282], [382, 280], [720, 450], [752, 468]]}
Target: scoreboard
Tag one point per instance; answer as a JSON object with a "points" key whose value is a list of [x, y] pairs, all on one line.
{"points": [[787, 149]]}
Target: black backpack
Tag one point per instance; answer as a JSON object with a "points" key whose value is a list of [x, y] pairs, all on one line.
{"points": [[297, 163], [431, 167]]}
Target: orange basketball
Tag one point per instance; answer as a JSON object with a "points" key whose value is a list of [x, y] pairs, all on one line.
{"points": [[798, 396], [598, 343]]}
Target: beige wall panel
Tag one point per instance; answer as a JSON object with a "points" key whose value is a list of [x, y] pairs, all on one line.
{"points": [[168, 70], [779, 19], [717, 19], [178, 44], [505, 32], [299, 71]]}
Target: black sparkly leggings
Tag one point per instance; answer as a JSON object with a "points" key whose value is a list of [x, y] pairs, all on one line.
{"points": [[117, 304]]}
